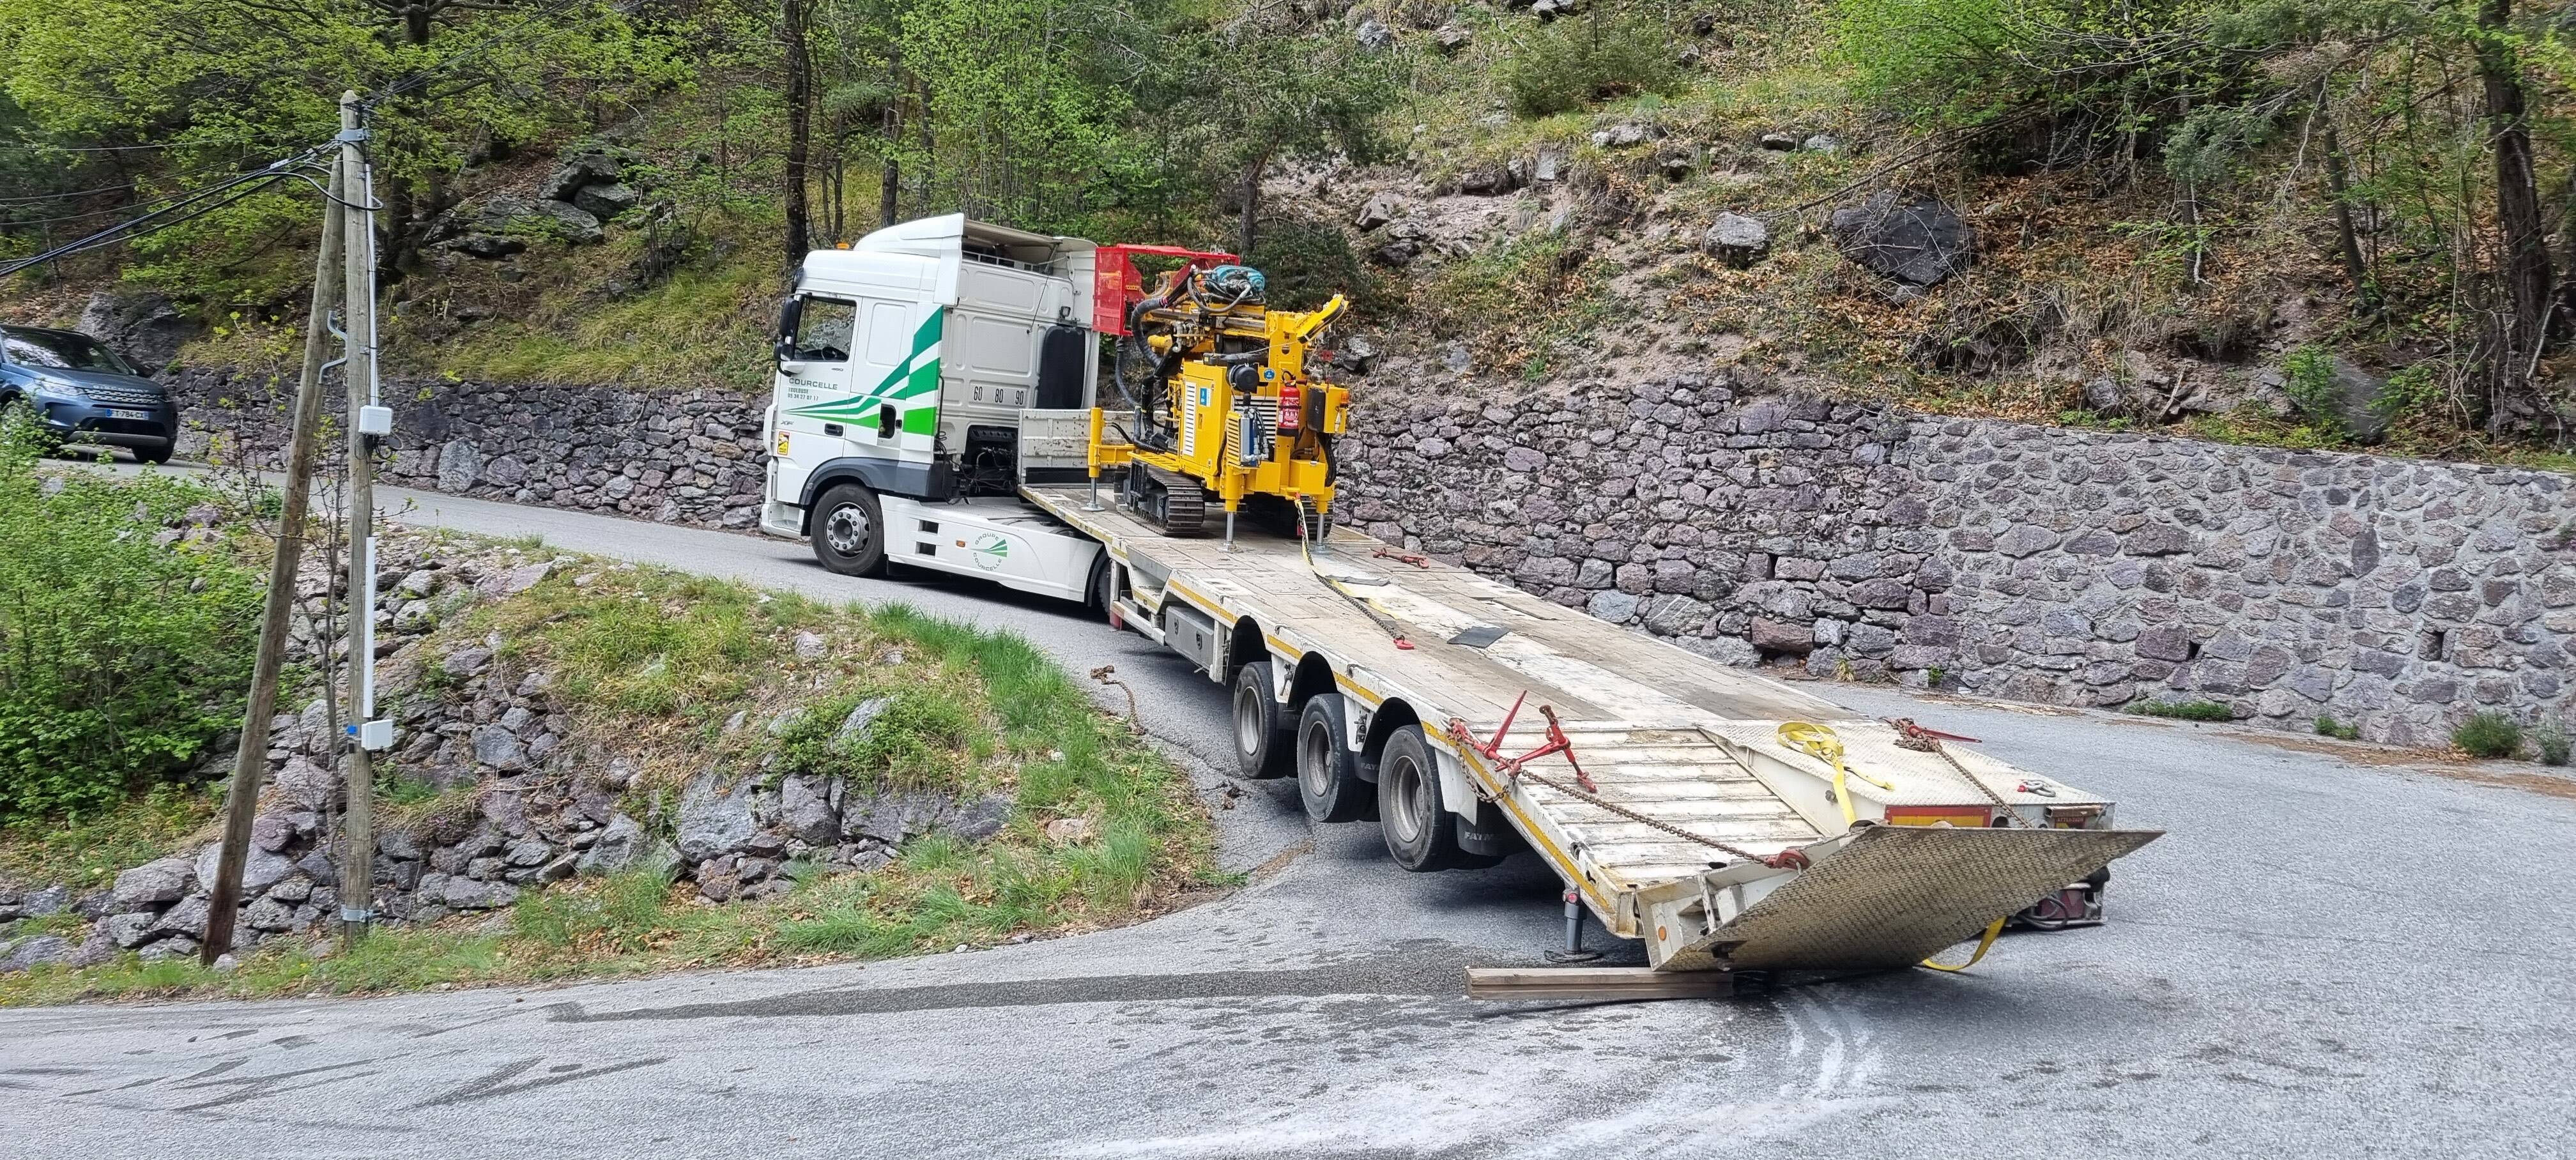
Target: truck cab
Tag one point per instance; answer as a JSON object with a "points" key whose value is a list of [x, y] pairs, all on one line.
{"points": [[923, 374]]}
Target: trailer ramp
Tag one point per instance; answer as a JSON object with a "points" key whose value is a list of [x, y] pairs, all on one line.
{"points": [[1889, 896]]}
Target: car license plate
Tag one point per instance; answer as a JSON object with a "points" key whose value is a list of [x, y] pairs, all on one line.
{"points": [[116, 414]]}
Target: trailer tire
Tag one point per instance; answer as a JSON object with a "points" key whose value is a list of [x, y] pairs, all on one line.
{"points": [[1265, 743], [1095, 591], [1328, 773], [849, 531], [1409, 809]]}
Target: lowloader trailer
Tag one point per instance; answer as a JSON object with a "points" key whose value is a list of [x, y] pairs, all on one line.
{"points": [[936, 408]]}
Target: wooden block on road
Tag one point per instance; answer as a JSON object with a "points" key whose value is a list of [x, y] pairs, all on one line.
{"points": [[1596, 983]]}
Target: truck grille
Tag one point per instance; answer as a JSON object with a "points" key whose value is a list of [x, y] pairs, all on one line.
{"points": [[124, 396]]}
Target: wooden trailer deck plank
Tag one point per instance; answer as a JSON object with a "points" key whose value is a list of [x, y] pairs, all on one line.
{"points": [[1701, 811]]}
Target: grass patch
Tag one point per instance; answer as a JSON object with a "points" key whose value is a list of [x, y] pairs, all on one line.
{"points": [[571, 319], [2488, 734], [2327, 726], [658, 663], [1515, 303], [86, 850], [2183, 710]]}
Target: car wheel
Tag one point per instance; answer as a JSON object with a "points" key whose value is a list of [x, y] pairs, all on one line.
{"points": [[1328, 773], [1263, 747], [849, 531], [1409, 807], [159, 454]]}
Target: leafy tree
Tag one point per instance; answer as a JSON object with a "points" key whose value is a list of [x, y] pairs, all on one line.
{"points": [[1265, 89], [209, 87]]}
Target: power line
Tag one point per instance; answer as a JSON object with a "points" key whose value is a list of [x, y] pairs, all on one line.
{"points": [[66, 196], [155, 203], [191, 143], [125, 230]]}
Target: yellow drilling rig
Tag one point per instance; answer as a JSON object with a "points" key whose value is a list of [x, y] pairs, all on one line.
{"points": [[1221, 408]]}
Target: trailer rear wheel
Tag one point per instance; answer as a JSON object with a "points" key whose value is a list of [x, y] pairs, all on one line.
{"points": [[1328, 773], [849, 531], [1264, 737], [1095, 591], [1409, 809]]}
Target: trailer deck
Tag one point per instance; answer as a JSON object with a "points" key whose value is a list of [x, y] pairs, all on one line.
{"points": [[1694, 794]]}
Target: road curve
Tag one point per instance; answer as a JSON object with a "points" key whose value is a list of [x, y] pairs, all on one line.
{"points": [[2334, 953]]}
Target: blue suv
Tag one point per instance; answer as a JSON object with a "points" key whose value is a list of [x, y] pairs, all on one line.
{"points": [[84, 392]]}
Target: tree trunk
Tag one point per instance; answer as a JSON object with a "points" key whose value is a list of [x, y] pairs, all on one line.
{"points": [[793, 15], [1251, 207], [889, 184], [2518, 214], [929, 154], [2347, 240]]}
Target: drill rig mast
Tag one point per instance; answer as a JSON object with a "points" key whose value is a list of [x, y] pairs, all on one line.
{"points": [[1220, 408]]}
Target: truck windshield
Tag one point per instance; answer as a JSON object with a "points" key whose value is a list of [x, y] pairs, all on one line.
{"points": [[823, 330], [61, 350]]}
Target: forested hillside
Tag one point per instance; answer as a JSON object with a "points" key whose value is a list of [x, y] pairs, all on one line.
{"points": [[2306, 222]]}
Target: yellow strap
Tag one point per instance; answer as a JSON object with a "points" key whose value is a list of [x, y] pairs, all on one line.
{"points": [[1823, 744], [1996, 928]]}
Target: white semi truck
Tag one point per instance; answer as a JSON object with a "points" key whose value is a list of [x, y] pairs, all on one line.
{"points": [[934, 407]]}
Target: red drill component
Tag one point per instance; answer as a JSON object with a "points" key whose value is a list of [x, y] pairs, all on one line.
{"points": [[1115, 284]]}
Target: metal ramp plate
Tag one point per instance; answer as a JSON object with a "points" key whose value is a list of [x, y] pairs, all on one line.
{"points": [[1895, 895]]}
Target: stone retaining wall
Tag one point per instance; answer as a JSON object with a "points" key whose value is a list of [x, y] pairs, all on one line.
{"points": [[2026, 562], [685, 457]]}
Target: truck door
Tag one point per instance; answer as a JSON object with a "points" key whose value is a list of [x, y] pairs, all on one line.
{"points": [[815, 370]]}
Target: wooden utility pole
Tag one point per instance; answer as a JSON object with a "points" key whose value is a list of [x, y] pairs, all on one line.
{"points": [[241, 804], [358, 821]]}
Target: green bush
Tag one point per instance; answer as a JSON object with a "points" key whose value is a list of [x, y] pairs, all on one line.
{"points": [[1307, 262], [1564, 65], [2184, 710], [2553, 743], [124, 652], [2309, 372], [2488, 734], [2072, 80], [2329, 727]]}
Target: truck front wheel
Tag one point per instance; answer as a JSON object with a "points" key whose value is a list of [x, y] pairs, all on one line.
{"points": [[849, 531]]}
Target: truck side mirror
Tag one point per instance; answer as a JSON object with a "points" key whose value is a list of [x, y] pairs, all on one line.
{"points": [[790, 313]]}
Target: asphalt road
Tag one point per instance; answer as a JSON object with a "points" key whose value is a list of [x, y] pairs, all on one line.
{"points": [[2329, 955]]}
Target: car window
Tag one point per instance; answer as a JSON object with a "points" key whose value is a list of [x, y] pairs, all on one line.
{"points": [[823, 330], [60, 350]]}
